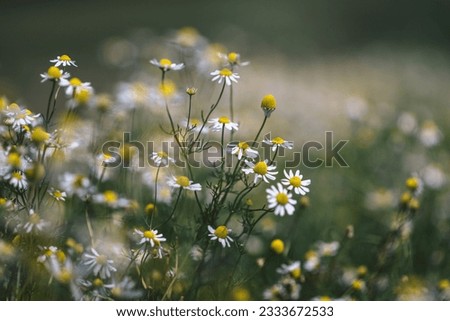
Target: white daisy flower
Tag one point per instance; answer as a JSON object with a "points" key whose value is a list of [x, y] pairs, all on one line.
{"points": [[279, 198], [106, 160], [17, 117], [99, 264], [312, 261], [430, 134], [76, 184], [57, 194], [34, 223], [243, 149], [166, 64], [64, 61], [226, 74], [161, 159], [294, 269], [218, 123], [194, 125], [55, 74], [327, 249], [296, 182], [261, 170], [220, 234], [183, 182], [111, 198], [278, 142], [76, 86], [233, 59], [18, 180], [151, 237]]}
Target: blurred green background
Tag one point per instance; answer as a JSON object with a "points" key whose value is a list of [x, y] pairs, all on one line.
{"points": [[303, 30]]}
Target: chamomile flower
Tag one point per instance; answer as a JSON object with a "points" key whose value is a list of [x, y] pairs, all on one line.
{"points": [[34, 222], [57, 194], [293, 269], [99, 264], [224, 74], [220, 234], [166, 64], [218, 123], [312, 261], [184, 183], [195, 125], [295, 181], [111, 198], [151, 237], [279, 198], [55, 74], [18, 180], [268, 104], [327, 249], [106, 160], [161, 159], [278, 142], [261, 170], [233, 59], [64, 61], [18, 117], [76, 86], [244, 149]]}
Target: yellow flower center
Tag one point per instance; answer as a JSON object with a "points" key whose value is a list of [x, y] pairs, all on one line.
{"points": [[362, 270], [64, 276], [278, 140], [412, 183], [357, 285], [54, 72], [149, 235], [17, 175], [295, 181], [61, 256], [3, 201], [260, 168], [39, 135], [268, 102], [65, 58], [221, 232], [48, 253], [325, 298], [183, 181], [310, 254], [282, 198], [101, 259], [277, 246], [34, 218], [296, 273], [168, 88], [195, 122], [75, 82], [14, 160], [149, 208], [82, 96], [444, 284], [110, 196], [97, 283], [162, 154], [243, 145], [79, 181], [224, 120], [165, 62], [233, 57], [241, 294], [225, 72]]}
